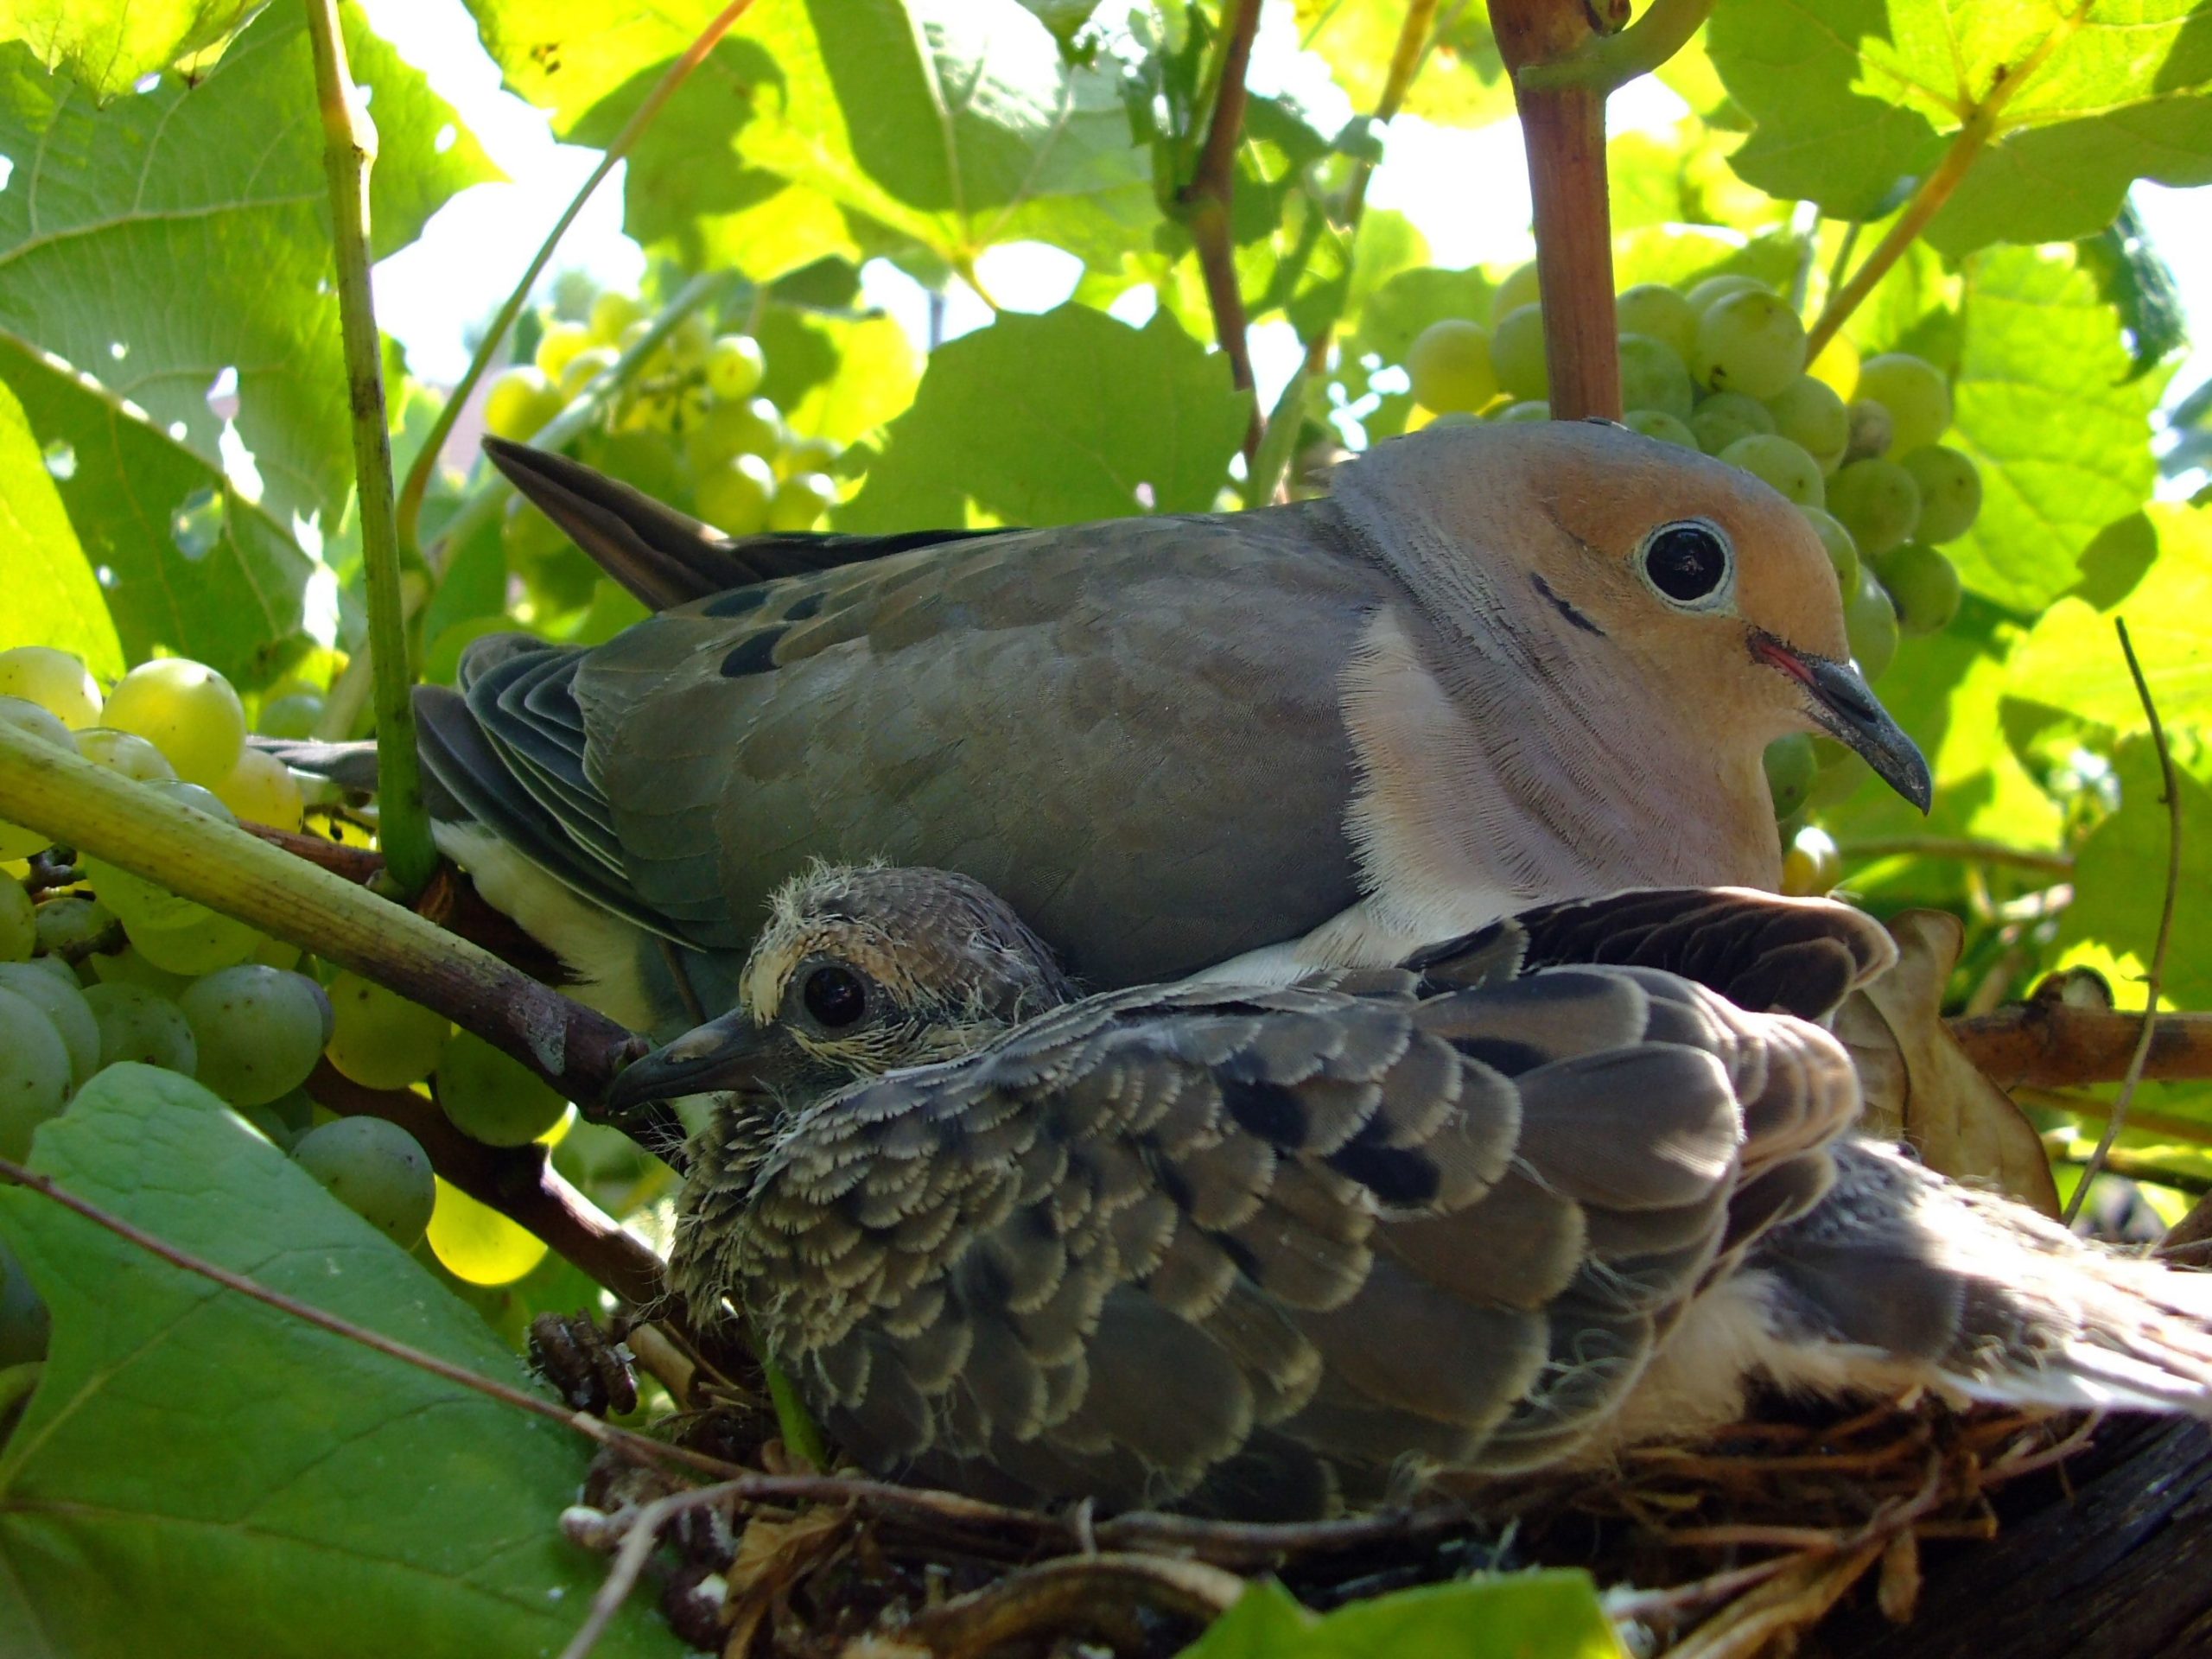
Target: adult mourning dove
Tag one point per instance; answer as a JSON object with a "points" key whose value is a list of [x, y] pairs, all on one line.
{"points": [[1271, 1252], [1498, 666]]}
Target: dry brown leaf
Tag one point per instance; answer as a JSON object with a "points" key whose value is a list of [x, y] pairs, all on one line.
{"points": [[1920, 1086]]}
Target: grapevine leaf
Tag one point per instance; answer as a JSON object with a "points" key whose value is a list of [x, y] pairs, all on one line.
{"points": [[201, 1474], [1852, 96], [107, 45], [184, 559], [219, 188], [1462, 83], [1553, 1612], [2119, 872], [2046, 403], [1052, 419], [53, 598]]}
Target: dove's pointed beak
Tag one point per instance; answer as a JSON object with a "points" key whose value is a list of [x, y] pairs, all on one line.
{"points": [[731, 1053], [1847, 709]]}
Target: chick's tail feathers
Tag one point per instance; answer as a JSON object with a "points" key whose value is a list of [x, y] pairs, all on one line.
{"points": [[1900, 1277]]}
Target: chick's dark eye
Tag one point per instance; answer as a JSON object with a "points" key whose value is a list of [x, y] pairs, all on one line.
{"points": [[1686, 561], [835, 996]]}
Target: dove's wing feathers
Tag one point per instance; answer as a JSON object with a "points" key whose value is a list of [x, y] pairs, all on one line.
{"points": [[1251, 1251], [1131, 731]]}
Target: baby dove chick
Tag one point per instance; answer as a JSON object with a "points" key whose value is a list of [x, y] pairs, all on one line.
{"points": [[1270, 1253]]}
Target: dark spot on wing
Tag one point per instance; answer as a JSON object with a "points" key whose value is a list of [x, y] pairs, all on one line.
{"points": [[1502, 1055], [1267, 1109], [739, 601], [755, 654], [1564, 608], [1394, 1174], [800, 610]]}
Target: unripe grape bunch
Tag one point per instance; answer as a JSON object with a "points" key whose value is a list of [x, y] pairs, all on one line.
{"points": [[1722, 367]]}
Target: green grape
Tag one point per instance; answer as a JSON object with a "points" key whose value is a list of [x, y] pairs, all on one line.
{"points": [[1518, 290], [1662, 313], [259, 1031], [126, 752], [1657, 423], [1516, 351], [262, 789], [62, 1001], [1449, 366], [35, 723], [492, 1098], [1454, 417], [60, 971], [560, 346], [185, 709], [72, 927], [1529, 408], [18, 922], [273, 1128], [294, 715], [732, 429], [1705, 295], [25, 1327], [1791, 769], [1835, 541], [734, 496], [800, 501], [55, 680], [1811, 415], [584, 368], [375, 1169], [34, 1072], [137, 1024], [1750, 342], [1807, 872], [1871, 621], [1915, 394], [520, 403], [1781, 463], [127, 967], [1652, 376], [1871, 430], [690, 341], [1922, 584], [807, 456], [1724, 416], [1877, 501], [735, 367], [1950, 491], [611, 314], [661, 364], [379, 1038]]}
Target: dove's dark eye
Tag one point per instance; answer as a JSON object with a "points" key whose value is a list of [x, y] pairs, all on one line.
{"points": [[835, 996], [1687, 563]]}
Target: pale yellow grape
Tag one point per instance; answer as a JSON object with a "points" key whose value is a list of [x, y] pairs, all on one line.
{"points": [[126, 753], [127, 967], [1784, 465], [294, 715], [1871, 623], [1809, 872], [745, 428], [262, 789], [1877, 502], [735, 367], [1835, 541], [689, 342], [1518, 290], [520, 403], [62, 1001], [493, 1097], [1653, 375], [187, 710], [1705, 295], [34, 1073], [379, 1038], [1516, 351], [476, 1243], [18, 922], [800, 501], [560, 346], [1662, 313], [584, 368], [56, 681], [1950, 491], [1449, 366], [611, 314], [1750, 343], [1922, 584], [40, 725], [259, 1031], [661, 364], [1915, 394], [375, 1169], [1721, 418], [140, 1025], [1808, 413], [734, 496], [1657, 423]]}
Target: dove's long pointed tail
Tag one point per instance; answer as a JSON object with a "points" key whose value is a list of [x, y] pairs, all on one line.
{"points": [[1900, 1277]]}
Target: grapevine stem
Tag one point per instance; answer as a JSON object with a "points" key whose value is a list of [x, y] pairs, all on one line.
{"points": [[1207, 199], [418, 476], [349, 151], [1605, 63], [97, 811], [1963, 849]]}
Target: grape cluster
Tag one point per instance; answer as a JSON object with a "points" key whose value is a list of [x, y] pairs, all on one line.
{"points": [[725, 452], [99, 965], [1722, 368]]}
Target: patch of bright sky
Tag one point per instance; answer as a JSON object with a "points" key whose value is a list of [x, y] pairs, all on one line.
{"points": [[1465, 188]]}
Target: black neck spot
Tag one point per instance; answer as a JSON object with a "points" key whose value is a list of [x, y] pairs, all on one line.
{"points": [[1565, 609]]}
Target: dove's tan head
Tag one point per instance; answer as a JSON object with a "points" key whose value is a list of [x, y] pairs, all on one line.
{"points": [[1671, 579], [862, 969]]}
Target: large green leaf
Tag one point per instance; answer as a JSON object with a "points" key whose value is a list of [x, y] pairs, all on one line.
{"points": [[2119, 874], [1462, 83], [2044, 404], [186, 562], [170, 236], [106, 46], [1852, 96], [948, 125], [200, 1475], [1055, 419], [1541, 1615], [52, 597]]}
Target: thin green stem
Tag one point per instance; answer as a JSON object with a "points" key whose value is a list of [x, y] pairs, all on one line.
{"points": [[348, 153], [1960, 848], [418, 476], [793, 1421], [1607, 62]]}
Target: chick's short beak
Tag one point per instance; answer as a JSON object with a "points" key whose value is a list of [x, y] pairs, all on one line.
{"points": [[731, 1053], [1847, 709]]}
